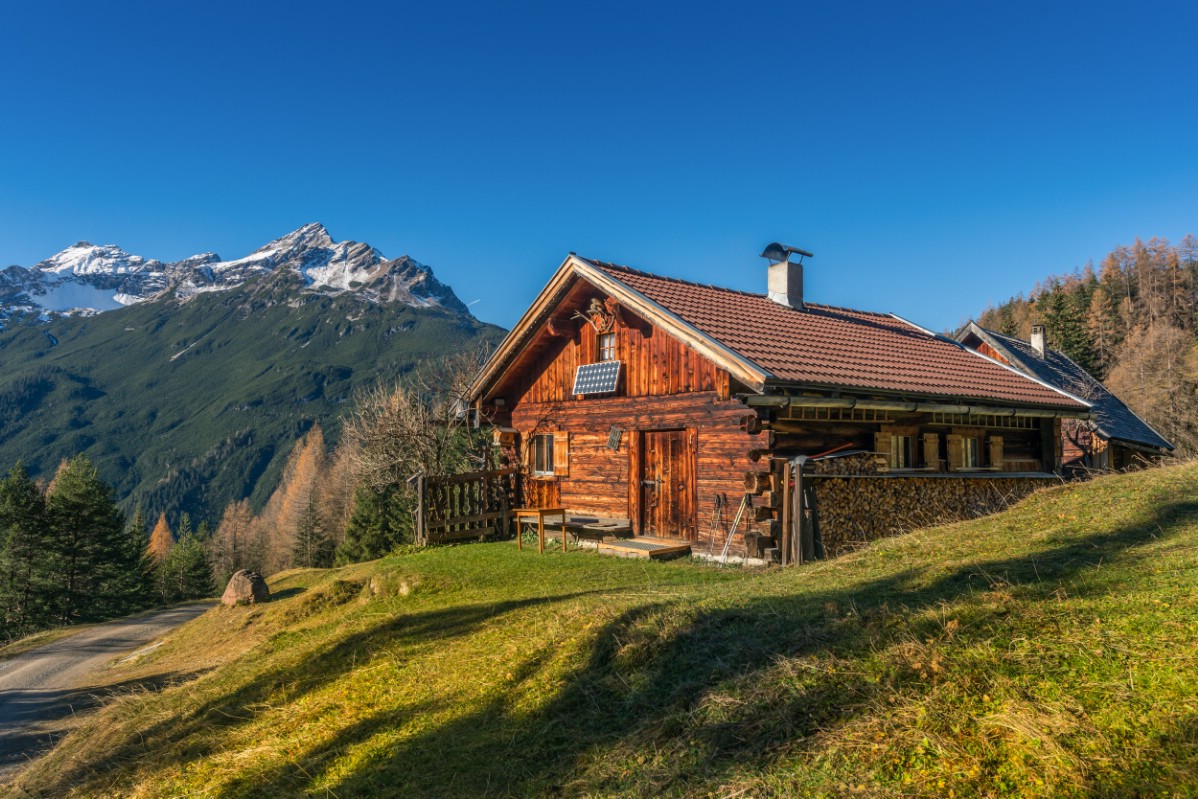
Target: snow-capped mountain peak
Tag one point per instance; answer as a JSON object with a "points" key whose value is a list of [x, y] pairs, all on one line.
{"points": [[85, 258], [86, 278]]}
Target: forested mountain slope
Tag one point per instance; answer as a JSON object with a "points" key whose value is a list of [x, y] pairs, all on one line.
{"points": [[189, 400], [1131, 324]]}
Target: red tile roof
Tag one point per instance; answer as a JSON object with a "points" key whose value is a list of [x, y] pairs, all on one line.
{"points": [[838, 347]]}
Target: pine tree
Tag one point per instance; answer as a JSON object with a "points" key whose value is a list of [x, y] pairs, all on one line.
{"points": [[24, 545], [313, 547], [187, 567], [85, 557], [1102, 325], [137, 584], [380, 522]]}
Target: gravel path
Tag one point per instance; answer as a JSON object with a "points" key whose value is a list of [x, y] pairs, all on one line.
{"points": [[40, 690]]}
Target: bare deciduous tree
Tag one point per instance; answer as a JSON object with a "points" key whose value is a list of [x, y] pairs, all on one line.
{"points": [[419, 425]]}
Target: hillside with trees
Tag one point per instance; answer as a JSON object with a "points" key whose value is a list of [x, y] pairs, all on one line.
{"points": [[1130, 323], [352, 502], [187, 402]]}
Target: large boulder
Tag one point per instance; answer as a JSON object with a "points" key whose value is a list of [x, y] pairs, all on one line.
{"points": [[245, 588]]}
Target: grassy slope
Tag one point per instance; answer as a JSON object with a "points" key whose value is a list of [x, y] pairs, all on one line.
{"points": [[1048, 651], [189, 406]]}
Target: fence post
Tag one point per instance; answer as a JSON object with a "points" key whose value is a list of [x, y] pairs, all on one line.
{"points": [[502, 484], [421, 530]]}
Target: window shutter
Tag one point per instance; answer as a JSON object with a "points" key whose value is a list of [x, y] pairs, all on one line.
{"points": [[956, 452], [529, 449], [931, 451], [996, 455], [561, 454], [882, 447]]}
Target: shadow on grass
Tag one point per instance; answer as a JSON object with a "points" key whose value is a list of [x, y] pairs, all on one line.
{"points": [[655, 700], [309, 674], [286, 593]]}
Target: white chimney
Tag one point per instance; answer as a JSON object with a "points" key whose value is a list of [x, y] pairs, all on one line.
{"points": [[1038, 340], [784, 282]]}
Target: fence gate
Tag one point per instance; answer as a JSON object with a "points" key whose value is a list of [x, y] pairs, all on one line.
{"points": [[464, 506]]}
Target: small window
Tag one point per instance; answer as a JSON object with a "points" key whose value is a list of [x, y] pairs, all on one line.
{"points": [[607, 346], [970, 453], [542, 455], [902, 452]]}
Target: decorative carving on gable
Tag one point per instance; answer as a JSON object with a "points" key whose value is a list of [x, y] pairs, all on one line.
{"points": [[600, 314]]}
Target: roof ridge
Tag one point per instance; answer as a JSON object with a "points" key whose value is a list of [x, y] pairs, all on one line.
{"points": [[742, 292]]}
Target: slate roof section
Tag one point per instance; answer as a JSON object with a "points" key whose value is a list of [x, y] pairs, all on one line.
{"points": [[833, 347], [1110, 417]]}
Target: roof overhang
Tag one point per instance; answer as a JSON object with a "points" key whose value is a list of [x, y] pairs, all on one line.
{"points": [[911, 405], [575, 268]]}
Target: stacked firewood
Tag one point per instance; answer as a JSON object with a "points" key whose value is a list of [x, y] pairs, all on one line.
{"points": [[853, 512], [863, 463]]}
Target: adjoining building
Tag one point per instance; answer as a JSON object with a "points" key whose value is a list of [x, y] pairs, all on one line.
{"points": [[1112, 439], [625, 395]]}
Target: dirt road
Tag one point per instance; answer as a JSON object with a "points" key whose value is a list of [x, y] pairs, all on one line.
{"points": [[40, 690]]}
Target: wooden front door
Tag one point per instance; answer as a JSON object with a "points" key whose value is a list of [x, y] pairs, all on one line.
{"points": [[668, 484]]}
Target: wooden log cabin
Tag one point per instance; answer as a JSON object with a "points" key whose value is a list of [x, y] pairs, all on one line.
{"points": [[622, 394], [1114, 438]]}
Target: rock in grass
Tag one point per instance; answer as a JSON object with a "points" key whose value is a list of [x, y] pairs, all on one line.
{"points": [[245, 588]]}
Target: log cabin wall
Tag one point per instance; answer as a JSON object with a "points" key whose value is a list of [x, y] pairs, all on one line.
{"points": [[601, 480]]}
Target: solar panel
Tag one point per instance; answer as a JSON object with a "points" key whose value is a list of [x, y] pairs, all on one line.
{"points": [[597, 378]]}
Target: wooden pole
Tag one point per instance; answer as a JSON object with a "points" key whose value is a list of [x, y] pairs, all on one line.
{"points": [[504, 506], [421, 530], [796, 548], [787, 515], [808, 541]]}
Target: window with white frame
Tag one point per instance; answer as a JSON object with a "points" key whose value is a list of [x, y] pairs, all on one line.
{"points": [[542, 455], [607, 346]]}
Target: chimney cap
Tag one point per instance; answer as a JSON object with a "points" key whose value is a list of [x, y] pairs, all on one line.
{"points": [[776, 252]]}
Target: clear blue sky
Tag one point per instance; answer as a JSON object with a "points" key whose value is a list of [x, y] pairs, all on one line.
{"points": [[936, 157]]}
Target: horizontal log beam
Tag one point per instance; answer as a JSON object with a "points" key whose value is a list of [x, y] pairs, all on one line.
{"points": [[756, 482]]}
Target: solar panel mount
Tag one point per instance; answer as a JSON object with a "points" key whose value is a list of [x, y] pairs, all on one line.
{"points": [[597, 378]]}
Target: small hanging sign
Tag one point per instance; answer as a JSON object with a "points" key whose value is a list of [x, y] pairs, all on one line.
{"points": [[613, 438]]}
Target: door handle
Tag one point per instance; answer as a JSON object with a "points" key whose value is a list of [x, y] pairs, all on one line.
{"points": [[651, 482]]}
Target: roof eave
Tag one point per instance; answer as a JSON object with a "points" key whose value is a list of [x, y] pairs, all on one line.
{"points": [[980, 405], [507, 348]]}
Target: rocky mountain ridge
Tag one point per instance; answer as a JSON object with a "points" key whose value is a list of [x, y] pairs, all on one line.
{"points": [[85, 279]]}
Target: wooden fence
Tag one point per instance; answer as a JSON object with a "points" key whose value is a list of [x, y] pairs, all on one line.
{"points": [[464, 506]]}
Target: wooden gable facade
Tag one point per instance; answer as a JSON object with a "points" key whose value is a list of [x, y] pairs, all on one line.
{"points": [[671, 432]]}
